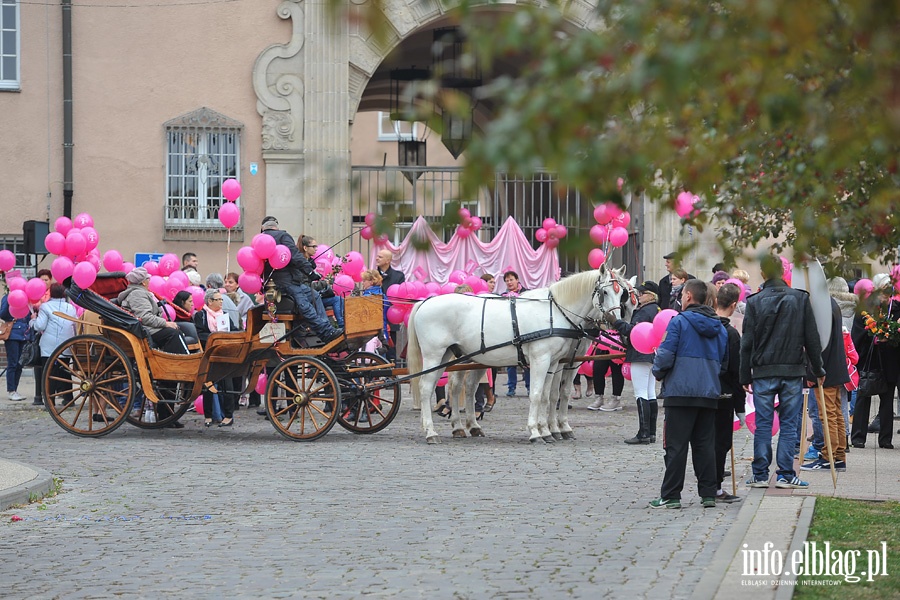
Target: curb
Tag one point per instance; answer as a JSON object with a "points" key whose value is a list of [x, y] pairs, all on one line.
{"points": [[801, 532], [40, 486]]}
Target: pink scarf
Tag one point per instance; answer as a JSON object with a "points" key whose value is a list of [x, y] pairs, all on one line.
{"points": [[211, 316]]}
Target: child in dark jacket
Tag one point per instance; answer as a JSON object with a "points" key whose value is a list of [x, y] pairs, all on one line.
{"points": [[731, 402]]}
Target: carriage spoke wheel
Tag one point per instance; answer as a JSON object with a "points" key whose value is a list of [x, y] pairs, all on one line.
{"points": [[176, 401], [302, 397], [88, 385], [367, 410]]}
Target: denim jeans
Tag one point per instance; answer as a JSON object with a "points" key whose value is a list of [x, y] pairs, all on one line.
{"points": [[337, 305], [309, 305], [790, 393]]}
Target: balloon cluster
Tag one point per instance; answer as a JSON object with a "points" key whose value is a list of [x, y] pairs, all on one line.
{"points": [[646, 337], [403, 296], [368, 232], [550, 233], [611, 230], [229, 213], [467, 223], [75, 242], [685, 205], [252, 260]]}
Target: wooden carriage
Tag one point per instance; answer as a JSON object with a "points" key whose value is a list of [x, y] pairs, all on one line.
{"points": [[112, 373]]}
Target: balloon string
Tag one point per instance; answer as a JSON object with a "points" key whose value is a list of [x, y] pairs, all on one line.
{"points": [[351, 234], [227, 251]]}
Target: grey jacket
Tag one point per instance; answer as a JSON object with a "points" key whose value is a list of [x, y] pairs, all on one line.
{"points": [[143, 304]]}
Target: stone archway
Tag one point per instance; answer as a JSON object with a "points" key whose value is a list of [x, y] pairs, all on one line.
{"points": [[308, 91]]}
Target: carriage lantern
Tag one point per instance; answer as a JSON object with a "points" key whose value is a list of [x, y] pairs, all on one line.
{"points": [[406, 90], [459, 73]]}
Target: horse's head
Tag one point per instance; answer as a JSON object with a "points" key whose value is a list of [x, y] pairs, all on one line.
{"points": [[613, 294]]}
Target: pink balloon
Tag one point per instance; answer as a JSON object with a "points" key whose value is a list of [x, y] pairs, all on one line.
{"points": [[618, 237], [84, 275], [170, 312], [7, 260], [62, 225], [250, 282], [626, 371], [457, 276], [198, 405], [476, 223], [393, 293], [596, 257], [127, 267], [464, 213], [62, 267], [623, 219], [552, 243], [343, 284], [179, 280], [264, 245], [448, 288], [75, 243], [684, 204], [112, 260], [642, 338], [281, 257], [16, 283], [261, 384], [324, 266], [613, 210], [18, 298], [35, 289], [602, 214], [55, 242], [549, 223], [750, 422], [740, 285], [474, 282], [660, 322], [157, 285], [197, 295], [463, 232], [433, 287], [249, 260], [325, 252], [354, 265], [395, 315], [91, 237], [229, 215], [19, 312], [561, 231], [168, 263], [586, 369], [541, 235], [83, 220], [366, 233], [736, 424], [370, 219], [152, 267], [863, 287], [231, 190]]}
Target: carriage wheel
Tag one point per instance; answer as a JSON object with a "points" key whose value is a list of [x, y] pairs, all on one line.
{"points": [[367, 410], [301, 398], [88, 385], [176, 401]]}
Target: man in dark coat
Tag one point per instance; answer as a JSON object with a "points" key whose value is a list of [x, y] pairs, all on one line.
{"points": [[665, 284], [779, 337], [389, 277], [834, 358], [733, 396], [292, 280], [689, 362]]}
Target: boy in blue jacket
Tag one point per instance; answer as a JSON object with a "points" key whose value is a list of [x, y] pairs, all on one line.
{"points": [[689, 362]]}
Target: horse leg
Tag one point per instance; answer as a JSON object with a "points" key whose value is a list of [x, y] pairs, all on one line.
{"points": [[456, 385], [552, 405], [568, 379], [537, 410], [427, 383]]}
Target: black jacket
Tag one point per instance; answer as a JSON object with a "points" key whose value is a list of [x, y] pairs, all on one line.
{"points": [[665, 290], [388, 278], [730, 380], [834, 357], [644, 314], [293, 272], [780, 334], [872, 356], [202, 325]]}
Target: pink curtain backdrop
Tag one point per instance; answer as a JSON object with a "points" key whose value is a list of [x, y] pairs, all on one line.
{"points": [[509, 250]]}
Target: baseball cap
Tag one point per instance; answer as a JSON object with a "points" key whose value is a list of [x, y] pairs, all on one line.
{"points": [[669, 255], [648, 286], [269, 221]]}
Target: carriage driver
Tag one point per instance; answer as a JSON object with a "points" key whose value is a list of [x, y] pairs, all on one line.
{"points": [[292, 280]]}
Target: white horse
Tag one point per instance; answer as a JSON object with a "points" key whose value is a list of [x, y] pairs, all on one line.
{"points": [[491, 331]]}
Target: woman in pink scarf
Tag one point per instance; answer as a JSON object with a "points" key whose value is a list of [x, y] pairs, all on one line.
{"points": [[207, 321]]}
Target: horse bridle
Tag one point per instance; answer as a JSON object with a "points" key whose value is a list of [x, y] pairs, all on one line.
{"points": [[631, 297]]}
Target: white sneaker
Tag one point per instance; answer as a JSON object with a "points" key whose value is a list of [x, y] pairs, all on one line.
{"points": [[614, 404], [14, 395], [596, 404]]}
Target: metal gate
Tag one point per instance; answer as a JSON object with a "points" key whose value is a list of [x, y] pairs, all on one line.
{"points": [[407, 192]]}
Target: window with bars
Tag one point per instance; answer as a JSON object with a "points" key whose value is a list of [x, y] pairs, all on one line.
{"points": [[203, 150], [9, 45]]}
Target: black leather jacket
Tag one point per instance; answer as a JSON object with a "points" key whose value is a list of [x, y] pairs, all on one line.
{"points": [[644, 314], [293, 272], [779, 334]]}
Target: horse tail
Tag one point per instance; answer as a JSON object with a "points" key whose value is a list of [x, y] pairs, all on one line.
{"points": [[414, 360]]}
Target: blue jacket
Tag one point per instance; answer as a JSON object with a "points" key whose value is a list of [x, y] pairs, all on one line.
{"points": [[20, 326], [691, 357]]}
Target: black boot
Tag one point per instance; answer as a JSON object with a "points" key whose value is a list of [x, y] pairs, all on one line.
{"points": [[643, 417], [651, 421]]}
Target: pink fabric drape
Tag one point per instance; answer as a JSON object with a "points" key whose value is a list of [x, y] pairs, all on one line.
{"points": [[509, 250]]}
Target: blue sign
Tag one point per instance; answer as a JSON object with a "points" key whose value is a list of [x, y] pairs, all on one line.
{"points": [[141, 257], [254, 168]]}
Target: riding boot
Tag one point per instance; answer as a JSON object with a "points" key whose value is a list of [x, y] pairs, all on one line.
{"points": [[640, 438], [650, 432]]}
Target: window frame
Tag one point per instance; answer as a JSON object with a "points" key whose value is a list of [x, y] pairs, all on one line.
{"points": [[11, 85], [394, 134]]}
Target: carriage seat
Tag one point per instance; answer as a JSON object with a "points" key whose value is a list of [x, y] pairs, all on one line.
{"points": [[191, 337]]}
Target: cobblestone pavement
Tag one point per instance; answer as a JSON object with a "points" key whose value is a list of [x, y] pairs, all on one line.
{"points": [[245, 513]]}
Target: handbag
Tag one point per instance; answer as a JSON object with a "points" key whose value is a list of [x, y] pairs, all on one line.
{"points": [[6, 328], [31, 352], [871, 379]]}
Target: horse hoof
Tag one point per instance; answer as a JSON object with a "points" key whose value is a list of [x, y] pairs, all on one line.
{"points": [[459, 433], [568, 435], [557, 436], [474, 432], [433, 439], [549, 439], [535, 440]]}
